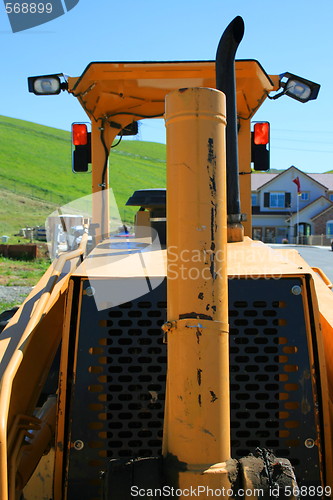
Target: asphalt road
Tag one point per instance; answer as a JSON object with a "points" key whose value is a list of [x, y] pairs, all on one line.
{"points": [[315, 256]]}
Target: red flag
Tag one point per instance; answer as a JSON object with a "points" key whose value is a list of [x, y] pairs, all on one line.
{"points": [[298, 184]]}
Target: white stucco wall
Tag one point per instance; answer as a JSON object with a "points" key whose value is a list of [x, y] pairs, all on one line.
{"points": [[310, 211], [263, 221]]}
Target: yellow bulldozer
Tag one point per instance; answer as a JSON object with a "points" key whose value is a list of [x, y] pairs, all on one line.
{"points": [[183, 359]]}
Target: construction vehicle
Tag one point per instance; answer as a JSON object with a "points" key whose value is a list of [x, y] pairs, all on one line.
{"points": [[201, 367]]}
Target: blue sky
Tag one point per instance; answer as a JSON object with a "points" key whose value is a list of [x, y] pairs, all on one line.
{"points": [[286, 36]]}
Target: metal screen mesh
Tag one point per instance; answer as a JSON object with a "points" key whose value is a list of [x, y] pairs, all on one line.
{"points": [[118, 401]]}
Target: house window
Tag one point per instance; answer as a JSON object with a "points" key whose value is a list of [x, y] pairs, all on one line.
{"points": [[257, 233], [276, 200], [269, 235], [329, 228], [305, 196], [331, 196], [253, 199], [282, 234]]}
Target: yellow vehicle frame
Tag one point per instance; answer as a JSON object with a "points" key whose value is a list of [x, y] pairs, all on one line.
{"points": [[113, 96]]}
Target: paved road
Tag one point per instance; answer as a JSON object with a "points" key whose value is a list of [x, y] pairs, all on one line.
{"points": [[315, 256]]}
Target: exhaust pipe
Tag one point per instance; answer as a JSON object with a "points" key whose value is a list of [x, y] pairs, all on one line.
{"points": [[225, 81]]}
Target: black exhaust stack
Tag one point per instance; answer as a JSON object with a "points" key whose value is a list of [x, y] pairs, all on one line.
{"points": [[226, 82]]}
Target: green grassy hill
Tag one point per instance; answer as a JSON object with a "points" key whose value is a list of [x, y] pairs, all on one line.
{"points": [[36, 175]]}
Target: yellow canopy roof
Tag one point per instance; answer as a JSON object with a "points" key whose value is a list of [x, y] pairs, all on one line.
{"points": [[108, 89]]}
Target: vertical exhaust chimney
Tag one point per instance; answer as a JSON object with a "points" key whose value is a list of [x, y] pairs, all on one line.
{"points": [[225, 81]]}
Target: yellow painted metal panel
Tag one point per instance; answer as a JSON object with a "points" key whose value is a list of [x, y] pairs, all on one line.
{"points": [[110, 89]]}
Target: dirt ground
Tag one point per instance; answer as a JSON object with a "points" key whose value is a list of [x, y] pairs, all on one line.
{"points": [[13, 294]]}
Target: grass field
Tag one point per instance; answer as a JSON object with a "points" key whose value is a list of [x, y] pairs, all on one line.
{"points": [[17, 210], [21, 274], [36, 179], [36, 175]]}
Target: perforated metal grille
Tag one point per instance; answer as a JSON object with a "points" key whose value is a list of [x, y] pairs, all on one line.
{"points": [[136, 379], [120, 389], [256, 354], [272, 399], [118, 399]]}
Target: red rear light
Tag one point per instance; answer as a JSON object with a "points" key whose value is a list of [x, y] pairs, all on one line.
{"points": [[79, 134], [261, 133]]}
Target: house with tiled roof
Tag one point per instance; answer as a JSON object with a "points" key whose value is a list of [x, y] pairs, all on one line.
{"points": [[292, 205]]}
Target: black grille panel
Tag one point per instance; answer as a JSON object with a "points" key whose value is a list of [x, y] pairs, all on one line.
{"points": [[272, 399], [118, 403], [136, 393]]}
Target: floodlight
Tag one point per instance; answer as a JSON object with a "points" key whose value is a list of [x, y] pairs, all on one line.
{"points": [[46, 85], [297, 87]]}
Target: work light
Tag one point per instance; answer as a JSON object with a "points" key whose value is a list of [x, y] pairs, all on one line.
{"points": [[46, 85], [297, 87]]}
